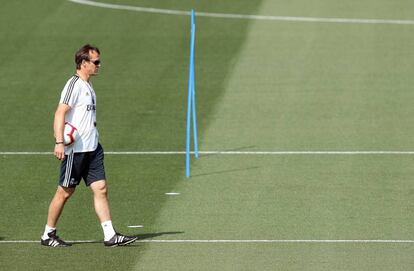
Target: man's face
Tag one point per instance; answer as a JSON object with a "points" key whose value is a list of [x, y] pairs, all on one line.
{"points": [[93, 64]]}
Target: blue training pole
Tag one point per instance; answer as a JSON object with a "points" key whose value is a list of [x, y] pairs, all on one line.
{"points": [[193, 87], [190, 96]]}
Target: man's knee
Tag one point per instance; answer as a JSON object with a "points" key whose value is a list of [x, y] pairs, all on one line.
{"points": [[64, 193], [99, 187]]}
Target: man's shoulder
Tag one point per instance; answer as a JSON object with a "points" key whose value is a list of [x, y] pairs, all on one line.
{"points": [[72, 82], [73, 79]]}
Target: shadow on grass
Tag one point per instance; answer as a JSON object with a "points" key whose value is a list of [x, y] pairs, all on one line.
{"points": [[224, 171], [156, 234], [143, 236]]}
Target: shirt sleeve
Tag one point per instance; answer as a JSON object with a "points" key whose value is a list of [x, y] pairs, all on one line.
{"points": [[70, 92]]}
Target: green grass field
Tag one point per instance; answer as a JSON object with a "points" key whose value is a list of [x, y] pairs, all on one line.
{"points": [[262, 86]]}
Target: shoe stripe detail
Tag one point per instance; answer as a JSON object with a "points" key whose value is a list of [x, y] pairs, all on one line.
{"points": [[53, 243], [120, 240]]}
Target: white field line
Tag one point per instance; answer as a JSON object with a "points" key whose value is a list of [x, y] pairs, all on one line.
{"points": [[277, 241], [244, 16], [229, 241], [232, 153]]}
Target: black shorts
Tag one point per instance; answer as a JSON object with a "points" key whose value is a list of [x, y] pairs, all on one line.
{"points": [[86, 165]]}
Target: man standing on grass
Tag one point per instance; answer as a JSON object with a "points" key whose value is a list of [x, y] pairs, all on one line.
{"points": [[85, 157]]}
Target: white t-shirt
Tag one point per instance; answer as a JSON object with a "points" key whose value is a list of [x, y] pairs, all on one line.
{"points": [[80, 96]]}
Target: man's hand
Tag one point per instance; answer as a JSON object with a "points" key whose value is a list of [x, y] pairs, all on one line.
{"points": [[60, 151]]}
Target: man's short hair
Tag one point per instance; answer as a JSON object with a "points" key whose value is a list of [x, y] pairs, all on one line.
{"points": [[83, 54]]}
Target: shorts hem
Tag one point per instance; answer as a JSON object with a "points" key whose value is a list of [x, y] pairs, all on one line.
{"points": [[91, 182]]}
